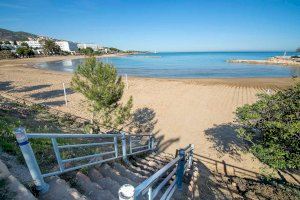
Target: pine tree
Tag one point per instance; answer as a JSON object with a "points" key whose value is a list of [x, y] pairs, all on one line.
{"points": [[103, 88]]}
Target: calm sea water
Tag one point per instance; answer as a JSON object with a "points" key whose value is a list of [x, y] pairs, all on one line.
{"points": [[187, 65]]}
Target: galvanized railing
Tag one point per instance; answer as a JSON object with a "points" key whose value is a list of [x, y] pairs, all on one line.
{"points": [[116, 140], [154, 185]]}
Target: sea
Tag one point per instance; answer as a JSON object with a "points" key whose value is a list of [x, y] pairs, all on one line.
{"points": [[187, 65]]}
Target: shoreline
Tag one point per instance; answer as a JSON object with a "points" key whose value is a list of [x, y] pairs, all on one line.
{"points": [[32, 62], [58, 58]]}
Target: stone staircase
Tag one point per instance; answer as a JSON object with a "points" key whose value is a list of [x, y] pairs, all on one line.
{"points": [[102, 182]]}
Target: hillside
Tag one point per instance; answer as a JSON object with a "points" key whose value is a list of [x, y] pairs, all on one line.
{"points": [[12, 35]]}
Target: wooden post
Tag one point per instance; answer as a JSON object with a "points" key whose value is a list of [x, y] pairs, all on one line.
{"points": [[126, 79], [65, 94]]}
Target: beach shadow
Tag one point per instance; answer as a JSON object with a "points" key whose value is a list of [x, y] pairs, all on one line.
{"points": [[51, 94], [6, 86], [32, 88], [144, 122], [225, 139], [219, 180], [162, 144], [221, 167], [54, 103], [208, 183]]}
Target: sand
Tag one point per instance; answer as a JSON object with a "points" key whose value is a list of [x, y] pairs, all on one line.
{"points": [[181, 111]]}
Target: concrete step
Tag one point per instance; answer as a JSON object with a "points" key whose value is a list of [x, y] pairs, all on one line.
{"points": [[137, 170], [17, 189], [161, 157], [91, 189], [104, 182], [59, 189], [107, 171], [156, 162], [135, 177], [14, 188], [149, 163], [143, 167]]}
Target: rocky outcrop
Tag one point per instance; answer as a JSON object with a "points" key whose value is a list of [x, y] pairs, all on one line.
{"points": [[270, 61]]}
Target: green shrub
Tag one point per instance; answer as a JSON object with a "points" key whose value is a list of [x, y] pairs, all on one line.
{"points": [[24, 51], [103, 89], [7, 138], [272, 127], [7, 54]]}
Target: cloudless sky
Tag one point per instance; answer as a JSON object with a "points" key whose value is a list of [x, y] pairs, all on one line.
{"points": [[162, 25]]}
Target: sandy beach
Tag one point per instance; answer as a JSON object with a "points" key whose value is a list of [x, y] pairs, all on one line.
{"points": [[182, 111]]}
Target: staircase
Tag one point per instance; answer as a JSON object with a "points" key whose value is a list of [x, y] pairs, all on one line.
{"points": [[126, 161], [102, 182]]}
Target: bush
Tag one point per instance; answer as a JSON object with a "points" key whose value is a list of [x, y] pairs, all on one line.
{"points": [[272, 127], [7, 138], [24, 51], [50, 48], [6, 54], [103, 88]]}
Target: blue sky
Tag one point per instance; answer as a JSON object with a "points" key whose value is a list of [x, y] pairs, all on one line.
{"points": [[162, 25]]}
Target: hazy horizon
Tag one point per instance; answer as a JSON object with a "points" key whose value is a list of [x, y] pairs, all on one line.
{"points": [[164, 26]]}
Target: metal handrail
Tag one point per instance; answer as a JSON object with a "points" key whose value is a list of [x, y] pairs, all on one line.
{"points": [[139, 190], [182, 161], [118, 140], [70, 135]]}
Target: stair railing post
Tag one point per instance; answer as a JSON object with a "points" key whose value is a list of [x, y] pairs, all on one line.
{"points": [[180, 169], [152, 142], [126, 192], [116, 146], [124, 149], [149, 143], [191, 156], [30, 160], [150, 195], [130, 145]]}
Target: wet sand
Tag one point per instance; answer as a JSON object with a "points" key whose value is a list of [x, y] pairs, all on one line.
{"points": [[181, 111]]}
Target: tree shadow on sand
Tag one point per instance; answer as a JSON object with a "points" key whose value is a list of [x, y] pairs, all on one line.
{"points": [[144, 122], [53, 103], [6, 85], [51, 94], [225, 139], [32, 88]]}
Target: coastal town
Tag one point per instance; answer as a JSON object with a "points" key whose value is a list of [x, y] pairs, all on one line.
{"points": [[37, 47], [30, 45]]}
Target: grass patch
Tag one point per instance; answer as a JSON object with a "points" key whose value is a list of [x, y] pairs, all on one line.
{"points": [[38, 119], [34, 118]]}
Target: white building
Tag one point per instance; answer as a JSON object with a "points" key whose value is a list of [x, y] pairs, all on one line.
{"points": [[67, 46], [34, 44], [95, 47]]}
